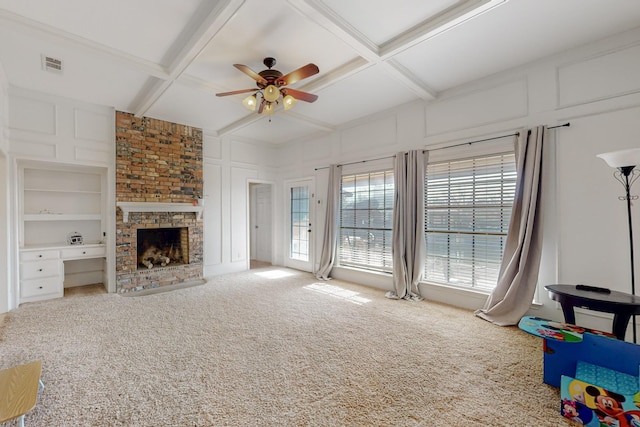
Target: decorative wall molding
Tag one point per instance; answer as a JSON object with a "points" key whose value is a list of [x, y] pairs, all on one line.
{"points": [[607, 75], [479, 108]]}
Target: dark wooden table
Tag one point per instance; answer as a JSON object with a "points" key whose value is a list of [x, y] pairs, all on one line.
{"points": [[622, 305]]}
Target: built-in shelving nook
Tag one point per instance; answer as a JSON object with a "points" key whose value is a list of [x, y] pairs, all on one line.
{"points": [[62, 228]]}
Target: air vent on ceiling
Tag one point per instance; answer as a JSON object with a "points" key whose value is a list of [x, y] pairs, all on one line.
{"points": [[51, 64]]}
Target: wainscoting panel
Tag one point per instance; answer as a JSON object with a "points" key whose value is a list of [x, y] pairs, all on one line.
{"points": [[33, 149], [93, 126], [32, 115], [212, 214], [604, 76], [370, 135], [239, 211], [493, 105]]}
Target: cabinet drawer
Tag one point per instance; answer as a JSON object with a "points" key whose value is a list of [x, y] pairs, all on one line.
{"points": [[36, 269], [37, 287], [38, 255], [84, 252]]}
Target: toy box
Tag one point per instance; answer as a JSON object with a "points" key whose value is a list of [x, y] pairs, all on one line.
{"points": [[599, 396], [598, 375]]}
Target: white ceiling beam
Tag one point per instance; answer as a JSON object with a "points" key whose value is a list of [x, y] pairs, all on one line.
{"points": [[342, 72], [440, 23], [291, 115], [317, 11], [407, 78], [189, 49], [332, 22], [239, 124]]}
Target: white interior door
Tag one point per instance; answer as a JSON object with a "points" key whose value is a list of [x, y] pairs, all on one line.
{"points": [[300, 196], [262, 223]]}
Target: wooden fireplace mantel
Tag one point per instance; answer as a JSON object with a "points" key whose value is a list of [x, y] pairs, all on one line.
{"points": [[128, 207]]}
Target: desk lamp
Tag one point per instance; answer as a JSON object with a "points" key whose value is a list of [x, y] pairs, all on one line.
{"points": [[625, 161]]}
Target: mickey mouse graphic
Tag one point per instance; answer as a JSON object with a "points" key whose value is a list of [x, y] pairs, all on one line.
{"points": [[608, 405], [610, 411]]}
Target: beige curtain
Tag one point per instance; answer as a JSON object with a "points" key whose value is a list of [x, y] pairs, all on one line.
{"points": [[330, 236], [408, 245], [518, 276]]}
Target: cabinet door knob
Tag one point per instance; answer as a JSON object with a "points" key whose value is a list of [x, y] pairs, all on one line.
{"points": [[39, 287], [40, 256], [39, 269], [84, 252]]}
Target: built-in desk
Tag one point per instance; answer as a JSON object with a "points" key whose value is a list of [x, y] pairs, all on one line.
{"points": [[42, 268]]}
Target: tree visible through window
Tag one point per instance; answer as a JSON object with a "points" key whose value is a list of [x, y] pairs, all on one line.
{"points": [[467, 211], [366, 219]]}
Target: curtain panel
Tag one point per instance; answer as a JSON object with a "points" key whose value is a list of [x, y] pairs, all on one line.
{"points": [[518, 276], [330, 236], [408, 245]]}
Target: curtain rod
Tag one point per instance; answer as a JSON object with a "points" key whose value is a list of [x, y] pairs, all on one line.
{"points": [[448, 146], [359, 161]]}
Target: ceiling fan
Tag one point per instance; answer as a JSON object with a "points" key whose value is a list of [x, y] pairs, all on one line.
{"points": [[271, 84]]}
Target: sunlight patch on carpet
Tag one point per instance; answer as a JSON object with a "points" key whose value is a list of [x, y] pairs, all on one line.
{"points": [[338, 292], [274, 274]]}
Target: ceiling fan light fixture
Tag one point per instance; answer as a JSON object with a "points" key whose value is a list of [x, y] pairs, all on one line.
{"points": [[268, 109], [271, 93], [272, 85], [250, 102], [289, 101]]}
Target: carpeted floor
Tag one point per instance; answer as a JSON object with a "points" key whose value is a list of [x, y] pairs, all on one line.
{"points": [[274, 347]]}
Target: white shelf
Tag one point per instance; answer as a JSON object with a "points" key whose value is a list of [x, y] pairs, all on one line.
{"points": [[62, 217], [46, 190], [128, 207]]}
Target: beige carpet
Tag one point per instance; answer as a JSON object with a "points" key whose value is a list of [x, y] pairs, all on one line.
{"points": [[269, 348]]}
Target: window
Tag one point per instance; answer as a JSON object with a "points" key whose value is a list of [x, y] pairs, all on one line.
{"points": [[467, 211], [299, 235], [366, 219]]}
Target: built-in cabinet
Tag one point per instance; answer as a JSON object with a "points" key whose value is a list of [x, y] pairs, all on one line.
{"points": [[62, 228], [61, 169]]}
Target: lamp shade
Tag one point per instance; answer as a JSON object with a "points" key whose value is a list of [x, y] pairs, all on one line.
{"points": [[622, 158], [250, 102], [271, 93], [289, 101], [268, 109]]}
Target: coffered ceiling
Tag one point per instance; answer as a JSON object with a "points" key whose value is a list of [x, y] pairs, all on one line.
{"points": [[167, 59]]}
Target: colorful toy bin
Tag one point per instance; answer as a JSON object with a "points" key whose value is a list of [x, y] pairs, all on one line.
{"points": [[598, 375]]}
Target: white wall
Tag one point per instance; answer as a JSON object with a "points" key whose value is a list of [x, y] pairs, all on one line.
{"points": [[5, 274], [230, 164], [595, 87]]}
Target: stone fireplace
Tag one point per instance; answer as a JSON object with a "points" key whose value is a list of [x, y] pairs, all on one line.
{"points": [[159, 232]]}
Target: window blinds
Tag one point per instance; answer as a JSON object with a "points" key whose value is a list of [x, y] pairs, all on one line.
{"points": [[366, 219], [467, 212]]}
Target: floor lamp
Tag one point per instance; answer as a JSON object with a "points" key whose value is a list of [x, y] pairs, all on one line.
{"points": [[625, 161]]}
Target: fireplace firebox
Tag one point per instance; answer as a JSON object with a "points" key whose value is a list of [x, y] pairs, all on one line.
{"points": [[162, 247]]}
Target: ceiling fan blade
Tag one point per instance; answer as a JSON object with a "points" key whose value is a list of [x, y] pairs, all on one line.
{"points": [[235, 92], [249, 72], [299, 74], [301, 96]]}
